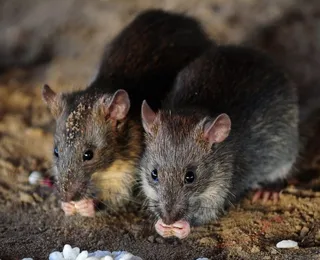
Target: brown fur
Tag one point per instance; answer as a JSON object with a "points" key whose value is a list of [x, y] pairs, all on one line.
{"points": [[142, 63], [116, 181]]}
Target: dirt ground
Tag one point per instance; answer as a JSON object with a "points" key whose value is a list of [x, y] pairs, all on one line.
{"points": [[59, 42]]}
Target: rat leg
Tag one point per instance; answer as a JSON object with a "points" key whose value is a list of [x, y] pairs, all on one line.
{"points": [[271, 187], [270, 191], [68, 208], [85, 207]]}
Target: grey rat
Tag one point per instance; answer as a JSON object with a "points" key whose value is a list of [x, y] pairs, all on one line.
{"points": [[229, 125], [99, 137]]}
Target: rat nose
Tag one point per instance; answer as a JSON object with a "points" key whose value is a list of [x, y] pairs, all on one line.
{"points": [[171, 215], [72, 196], [72, 192]]}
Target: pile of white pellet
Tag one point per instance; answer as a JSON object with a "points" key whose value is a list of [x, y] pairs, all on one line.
{"points": [[69, 253]]}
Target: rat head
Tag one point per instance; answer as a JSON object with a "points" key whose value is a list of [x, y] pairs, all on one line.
{"points": [[185, 169], [85, 137]]}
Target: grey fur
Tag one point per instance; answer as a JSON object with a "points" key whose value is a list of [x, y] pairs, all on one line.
{"points": [[261, 147]]}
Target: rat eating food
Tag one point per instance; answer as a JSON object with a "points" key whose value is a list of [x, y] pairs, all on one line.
{"points": [[229, 126], [99, 138]]}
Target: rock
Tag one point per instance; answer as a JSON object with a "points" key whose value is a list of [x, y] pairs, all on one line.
{"points": [[298, 227], [25, 197], [37, 197], [255, 249], [206, 241], [317, 236], [304, 231], [151, 239], [287, 244], [160, 240]]}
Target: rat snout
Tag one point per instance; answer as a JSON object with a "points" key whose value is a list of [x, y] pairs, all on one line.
{"points": [[171, 214], [72, 191]]}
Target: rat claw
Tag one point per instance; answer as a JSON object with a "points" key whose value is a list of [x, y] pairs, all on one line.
{"points": [[85, 207], [68, 208], [275, 197], [265, 196], [162, 229], [256, 196], [180, 229]]}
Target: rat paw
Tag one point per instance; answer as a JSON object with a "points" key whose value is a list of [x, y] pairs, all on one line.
{"points": [[68, 208], [265, 196], [179, 229], [85, 207], [269, 191]]}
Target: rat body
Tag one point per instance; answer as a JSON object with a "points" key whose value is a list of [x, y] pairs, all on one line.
{"points": [[99, 137], [230, 125]]}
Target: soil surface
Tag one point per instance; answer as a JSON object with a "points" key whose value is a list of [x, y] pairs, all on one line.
{"points": [[59, 42]]}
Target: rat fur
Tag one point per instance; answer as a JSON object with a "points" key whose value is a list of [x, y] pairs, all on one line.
{"points": [[230, 124], [103, 120]]}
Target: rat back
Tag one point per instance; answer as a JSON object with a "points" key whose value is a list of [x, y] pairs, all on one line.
{"points": [[147, 55], [261, 103]]}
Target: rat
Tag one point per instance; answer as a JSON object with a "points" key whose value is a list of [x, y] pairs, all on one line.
{"points": [[230, 125], [99, 137]]}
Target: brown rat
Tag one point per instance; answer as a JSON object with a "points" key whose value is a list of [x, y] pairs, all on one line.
{"points": [[229, 125], [99, 138]]}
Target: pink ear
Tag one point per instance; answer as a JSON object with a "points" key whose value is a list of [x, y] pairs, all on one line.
{"points": [[218, 130], [119, 105], [148, 116], [53, 101]]}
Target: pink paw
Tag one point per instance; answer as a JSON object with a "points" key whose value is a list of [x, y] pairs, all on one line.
{"points": [[179, 229], [266, 195], [68, 208], [85, 207]]}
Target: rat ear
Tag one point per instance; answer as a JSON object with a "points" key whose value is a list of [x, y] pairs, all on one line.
{"points": [[53, 101], [119, 105], [148, 117], [218, 130]]}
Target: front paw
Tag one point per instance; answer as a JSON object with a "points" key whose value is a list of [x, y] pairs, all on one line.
{"points": [[68, 208], [85, 207]]}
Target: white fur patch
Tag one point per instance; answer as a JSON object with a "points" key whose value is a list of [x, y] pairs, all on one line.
{"points": [[148, 190]]}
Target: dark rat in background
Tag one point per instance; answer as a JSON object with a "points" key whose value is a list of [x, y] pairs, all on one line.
{"points": [[230, 125], [99, 138]]}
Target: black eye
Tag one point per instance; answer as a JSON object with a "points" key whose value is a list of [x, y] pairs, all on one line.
{"points": [[56, 152], [88, 155], [154, 175], [189, 177]]}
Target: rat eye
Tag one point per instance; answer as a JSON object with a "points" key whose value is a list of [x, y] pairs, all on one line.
{"points": [[56, 152], [88, 155], [154, 175], [189, 177]]}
